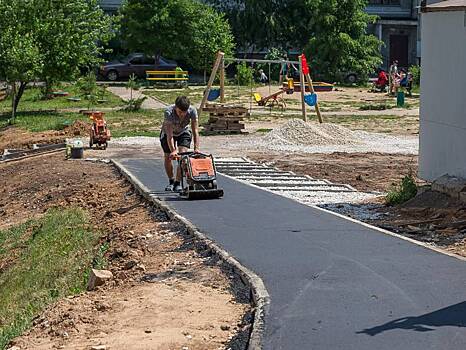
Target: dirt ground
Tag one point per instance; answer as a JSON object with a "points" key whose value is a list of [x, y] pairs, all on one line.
{"points": [[17, 138], [165, 293]]}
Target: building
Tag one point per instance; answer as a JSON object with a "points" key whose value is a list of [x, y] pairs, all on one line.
{"points": [[397, 27], [442, 139]]}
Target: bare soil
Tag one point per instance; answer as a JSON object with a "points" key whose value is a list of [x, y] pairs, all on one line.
{"points": [[166, 294], [17, 138]]}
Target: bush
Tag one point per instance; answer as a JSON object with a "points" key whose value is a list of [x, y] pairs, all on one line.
{"points": [[402, 193], [416, 72], [244, 74]]}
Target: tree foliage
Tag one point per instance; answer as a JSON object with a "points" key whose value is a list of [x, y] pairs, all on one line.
{"points": [[340, 43], [49, 40], [333, 32], [181, 29]]}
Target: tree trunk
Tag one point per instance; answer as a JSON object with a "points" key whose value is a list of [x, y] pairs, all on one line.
{"points": [[13, 100], [22, 87]]}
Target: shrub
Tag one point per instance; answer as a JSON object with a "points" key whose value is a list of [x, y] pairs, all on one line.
{"points": [[416, 72], [244, 74], [402, 193]]}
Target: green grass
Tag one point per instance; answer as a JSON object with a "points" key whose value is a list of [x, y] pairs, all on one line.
{"points": [[264, 130], [43, 260], [32, 101], [42, 121]]}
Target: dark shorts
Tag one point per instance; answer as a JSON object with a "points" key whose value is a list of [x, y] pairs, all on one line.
{"points": [[183, 140]]}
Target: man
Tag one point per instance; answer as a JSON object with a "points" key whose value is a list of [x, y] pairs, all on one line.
{"points": [[176, 137]]}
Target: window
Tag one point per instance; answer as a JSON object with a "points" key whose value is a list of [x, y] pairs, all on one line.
{"points": [[149, 60], [136, 60]]}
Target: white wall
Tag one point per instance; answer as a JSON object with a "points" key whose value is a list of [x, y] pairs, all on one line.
{"points": [[442, 144]]}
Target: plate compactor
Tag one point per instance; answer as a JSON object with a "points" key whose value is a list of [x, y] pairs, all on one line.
{"points": [[198, 176]]}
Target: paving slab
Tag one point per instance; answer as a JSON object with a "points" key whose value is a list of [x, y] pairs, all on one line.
{"points": [[333, 283]]}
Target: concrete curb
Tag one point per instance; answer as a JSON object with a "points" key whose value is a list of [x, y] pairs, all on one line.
{"points": [[260, 296]]}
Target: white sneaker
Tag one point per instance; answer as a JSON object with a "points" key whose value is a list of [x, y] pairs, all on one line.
{"points": [[177, 188], [169, 188]]}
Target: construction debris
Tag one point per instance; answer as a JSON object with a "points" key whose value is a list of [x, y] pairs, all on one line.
{"points": [[98, 278]]}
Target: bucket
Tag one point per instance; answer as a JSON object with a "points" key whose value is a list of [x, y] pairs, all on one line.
{"points": [[77, 152], [400, 99]]}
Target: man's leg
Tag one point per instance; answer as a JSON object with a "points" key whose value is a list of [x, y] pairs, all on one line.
{"points": [[181, 149], [167, 163]]}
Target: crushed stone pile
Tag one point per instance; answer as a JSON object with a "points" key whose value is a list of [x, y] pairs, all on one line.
{"points": [[298, 132]]}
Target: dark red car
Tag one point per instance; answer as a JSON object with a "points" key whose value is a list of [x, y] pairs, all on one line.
{"points": [[136, 64]]}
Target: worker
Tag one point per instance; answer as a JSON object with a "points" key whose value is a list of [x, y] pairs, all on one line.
{"points": [[175, 137]]}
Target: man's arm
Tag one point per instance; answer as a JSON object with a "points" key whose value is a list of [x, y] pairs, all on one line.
{"points": [[171, 144], [195, 128]]}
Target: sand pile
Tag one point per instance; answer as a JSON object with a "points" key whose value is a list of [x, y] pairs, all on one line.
{"points": [[298, 132]]}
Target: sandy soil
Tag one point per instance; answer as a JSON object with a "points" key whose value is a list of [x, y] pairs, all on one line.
{"points": [[165, 294]]}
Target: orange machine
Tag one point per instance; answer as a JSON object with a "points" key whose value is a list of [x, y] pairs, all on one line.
{"points": [[198, 176], [100, 134]]}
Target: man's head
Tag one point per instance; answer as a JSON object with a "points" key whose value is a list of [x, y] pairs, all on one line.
{"points": [[182, 104]]}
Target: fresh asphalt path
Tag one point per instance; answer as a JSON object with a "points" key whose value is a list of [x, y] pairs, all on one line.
{"points": [[333, 283]]}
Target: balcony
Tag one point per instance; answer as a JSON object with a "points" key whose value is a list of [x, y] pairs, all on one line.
{"points": [[389, 11]]}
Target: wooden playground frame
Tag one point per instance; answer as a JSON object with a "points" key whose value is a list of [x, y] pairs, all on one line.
{"points": [[220, 65]]}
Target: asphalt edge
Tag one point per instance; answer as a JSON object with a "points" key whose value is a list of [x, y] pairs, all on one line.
{"points": [[260, 296]]}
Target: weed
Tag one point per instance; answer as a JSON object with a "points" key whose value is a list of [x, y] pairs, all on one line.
{"points": [[402, 193]]}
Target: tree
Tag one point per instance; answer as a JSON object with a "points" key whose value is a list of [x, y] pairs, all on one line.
{"points": [[49, 40], [340, 43], [181, 29], [332, 31]]}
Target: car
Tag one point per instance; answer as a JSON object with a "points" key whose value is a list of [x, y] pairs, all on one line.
{"points": [[137, 64]]}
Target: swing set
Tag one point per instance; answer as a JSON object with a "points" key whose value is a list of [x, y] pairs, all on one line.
{"points": [[212, 94]]}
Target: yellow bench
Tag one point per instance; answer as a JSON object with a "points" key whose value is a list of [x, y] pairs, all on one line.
{"points": [[169, 75]]}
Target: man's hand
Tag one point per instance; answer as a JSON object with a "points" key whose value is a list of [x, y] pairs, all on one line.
{"points": [[196, 150], [174, 155]]}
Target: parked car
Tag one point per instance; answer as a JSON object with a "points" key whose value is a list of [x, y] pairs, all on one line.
{"points": [[136, 64]]}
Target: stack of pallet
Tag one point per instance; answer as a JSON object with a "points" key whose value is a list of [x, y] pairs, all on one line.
{"points": [[225, 119]]}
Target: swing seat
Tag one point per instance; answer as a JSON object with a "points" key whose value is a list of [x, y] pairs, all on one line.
{"points": [[213, 94], [257, 97], [310, 99]]}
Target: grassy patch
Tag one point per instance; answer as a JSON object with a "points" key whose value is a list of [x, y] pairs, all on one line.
{"points": [[42, 121], [120, 123], [264, 130], [32, 100], [402, 193], [42, 260]]}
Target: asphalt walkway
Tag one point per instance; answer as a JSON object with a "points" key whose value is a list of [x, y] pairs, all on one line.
{"points": [[333, 283]]}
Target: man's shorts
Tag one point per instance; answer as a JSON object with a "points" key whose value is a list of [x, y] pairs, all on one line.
{"points": [[183, 140]]}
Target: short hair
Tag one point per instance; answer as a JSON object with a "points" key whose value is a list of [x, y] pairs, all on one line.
{"points": [[183, 103]]}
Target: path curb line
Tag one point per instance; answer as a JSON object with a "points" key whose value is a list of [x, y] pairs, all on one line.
{"points": [[260, 296]]}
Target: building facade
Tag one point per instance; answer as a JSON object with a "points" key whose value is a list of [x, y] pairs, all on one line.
{"points": [[442, 136], [397, 27]]}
